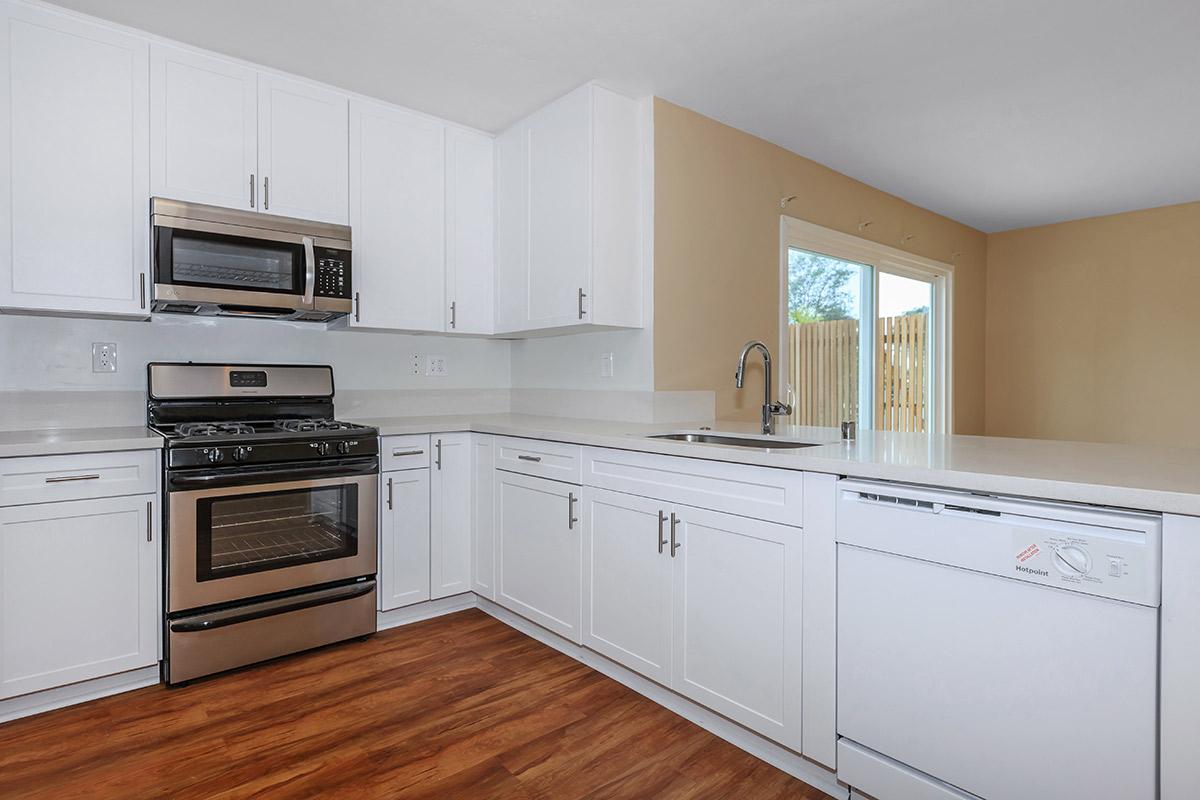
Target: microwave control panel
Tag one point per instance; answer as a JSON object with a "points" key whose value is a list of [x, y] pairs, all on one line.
{"points": [[333, 273]]}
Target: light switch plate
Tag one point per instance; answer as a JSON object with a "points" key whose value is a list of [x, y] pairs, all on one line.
{"points": [[104, 357], [606, 365], [436, 366]]}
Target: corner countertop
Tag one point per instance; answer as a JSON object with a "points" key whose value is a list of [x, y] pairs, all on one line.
{"points": [[77, 440], [1150, 478]]}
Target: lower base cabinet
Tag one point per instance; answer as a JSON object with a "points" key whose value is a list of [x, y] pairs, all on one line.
{"points": [[538, 538], [78, 591], [704, 602], [404, 538], [451, 515]]}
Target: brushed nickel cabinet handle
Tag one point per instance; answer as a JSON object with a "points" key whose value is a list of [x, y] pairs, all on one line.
{"points": [[149, 520], [582, 295], [571, 518], [398, 453], [267, 193], [535, 459], [674, 523], [438, 460], [142, 288], [389, 494], [357, 305], [453, 314], [252, 190], [68, 478], [662, 542]]}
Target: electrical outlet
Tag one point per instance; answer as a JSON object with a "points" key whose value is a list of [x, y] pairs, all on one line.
{"points": [[606, 365], [104, 357], [436, 365]]}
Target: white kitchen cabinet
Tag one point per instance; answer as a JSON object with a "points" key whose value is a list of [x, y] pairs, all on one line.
{"points": [[303, 141], [451, 514], [627, 578], [470, 226], [78, 591], [736, 626], [538, 537], [483, 509], [404, 538], [203, 128], [74, 123], [397, 213], [569, 211]]}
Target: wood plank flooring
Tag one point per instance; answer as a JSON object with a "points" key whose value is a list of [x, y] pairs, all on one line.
{"points": [[459, 706]]}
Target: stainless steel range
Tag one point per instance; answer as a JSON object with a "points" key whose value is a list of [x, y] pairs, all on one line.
{"points": [[272, 514]]}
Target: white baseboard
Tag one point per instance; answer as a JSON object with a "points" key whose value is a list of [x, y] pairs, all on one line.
{"points": [[777, 756], [49, 699], [427, 610]]}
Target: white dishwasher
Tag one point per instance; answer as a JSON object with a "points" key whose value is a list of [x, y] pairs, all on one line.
{"points": [[995, 648]]}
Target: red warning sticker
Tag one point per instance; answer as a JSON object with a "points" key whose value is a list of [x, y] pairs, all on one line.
{"points": [[1028, 553]]}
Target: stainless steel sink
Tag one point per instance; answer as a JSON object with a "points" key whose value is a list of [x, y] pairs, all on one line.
{"points": [[734, 441]]}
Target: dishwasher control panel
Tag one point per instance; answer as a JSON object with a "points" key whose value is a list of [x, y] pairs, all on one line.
{"points": [[1114, 564]]}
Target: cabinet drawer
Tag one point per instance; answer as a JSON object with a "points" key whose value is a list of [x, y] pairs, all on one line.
{"points": [[775, 495], [554, 460], [404, 452], [50, 479]]}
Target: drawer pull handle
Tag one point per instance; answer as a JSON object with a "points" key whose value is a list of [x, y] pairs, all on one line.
{"points": [[67, 478], [535, 459], [398, 453]]}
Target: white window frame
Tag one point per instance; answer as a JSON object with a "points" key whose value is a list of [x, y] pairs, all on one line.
{"points": [[880, 258]]}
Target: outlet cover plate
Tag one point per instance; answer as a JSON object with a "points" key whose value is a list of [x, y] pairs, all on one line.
{"points": [[436, 366], [104, 357]]}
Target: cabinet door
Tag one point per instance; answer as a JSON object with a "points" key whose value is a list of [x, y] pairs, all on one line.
{"points": [[737, 625], [539, 542], [398, 218], [303, 141], [560, 227], [627, 581], [470, 263], [74, 123], [512, 227], [203, 129], [483, 509], [78, 591], [404, 539], [450, 500]]}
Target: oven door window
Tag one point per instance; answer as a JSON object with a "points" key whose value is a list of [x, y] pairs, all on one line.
{"points": [[231, 262], [247, 533]]}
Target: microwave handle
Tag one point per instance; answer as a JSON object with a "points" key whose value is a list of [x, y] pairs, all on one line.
{"points": [[310, 270]]}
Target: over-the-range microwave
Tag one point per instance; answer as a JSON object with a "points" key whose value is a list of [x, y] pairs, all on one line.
{"points": [[219, 261]]}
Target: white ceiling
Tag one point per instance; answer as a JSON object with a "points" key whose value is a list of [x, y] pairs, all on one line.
{"points": [[998, 113]]}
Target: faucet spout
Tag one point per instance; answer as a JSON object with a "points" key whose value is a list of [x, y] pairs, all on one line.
{"points": [[770, 409]]}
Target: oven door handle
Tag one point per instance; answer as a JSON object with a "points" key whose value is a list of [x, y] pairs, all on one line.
{"points": [[270, 608], [310, 271], [215, 479]]}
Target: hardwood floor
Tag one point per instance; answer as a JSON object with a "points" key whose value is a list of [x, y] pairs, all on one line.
{"points": [[459, 706]]}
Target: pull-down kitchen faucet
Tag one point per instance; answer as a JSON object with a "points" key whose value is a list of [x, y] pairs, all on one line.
{"points": [[770, 410]]}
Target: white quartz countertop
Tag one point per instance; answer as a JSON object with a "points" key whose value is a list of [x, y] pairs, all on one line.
{"points": [[1129, 476], [77, 440]]}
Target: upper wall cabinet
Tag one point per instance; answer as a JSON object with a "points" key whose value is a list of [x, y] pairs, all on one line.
{"points": [[75, 211], [470, 233], [302, 149], [397, 215], [228, 135], [203, 129], [569, 195]]}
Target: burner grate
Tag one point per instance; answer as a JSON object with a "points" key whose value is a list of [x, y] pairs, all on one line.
{"points": [[214, 429], [311, 425]]}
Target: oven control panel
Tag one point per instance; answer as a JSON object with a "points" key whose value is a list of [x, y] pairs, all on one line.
{"points": [[333, 273], [235, 455]]}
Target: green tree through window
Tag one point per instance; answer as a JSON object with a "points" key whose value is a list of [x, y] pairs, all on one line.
{"points": [[818, 287]]}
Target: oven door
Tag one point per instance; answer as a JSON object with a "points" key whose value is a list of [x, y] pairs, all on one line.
{"points": [[197, 261], [242, 533]]}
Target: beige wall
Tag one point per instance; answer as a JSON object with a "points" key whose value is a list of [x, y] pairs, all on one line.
{"points": [[716, 255], [1093, 329]]}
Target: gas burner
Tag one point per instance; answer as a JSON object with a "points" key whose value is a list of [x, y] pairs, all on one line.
{"points": [[311, 425], [214, 429]]}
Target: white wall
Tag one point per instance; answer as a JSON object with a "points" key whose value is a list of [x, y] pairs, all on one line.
{"points": [[573, 362], [47, 353]]}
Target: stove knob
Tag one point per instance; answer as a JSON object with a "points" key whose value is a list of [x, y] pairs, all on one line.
{"points": [[343, 447], [322, 448], [215, 456], [241, 453]]}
